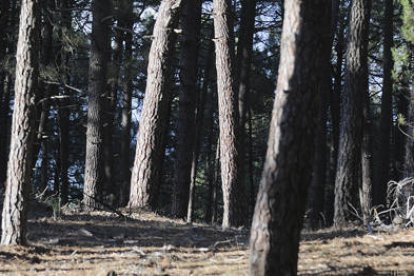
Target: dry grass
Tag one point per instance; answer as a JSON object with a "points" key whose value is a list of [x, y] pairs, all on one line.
{"points": [[102, 244]]}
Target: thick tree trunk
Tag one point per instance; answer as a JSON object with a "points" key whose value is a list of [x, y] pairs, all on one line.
{"points": [[348, 177], [386, 122], [190, 25], [229, 159], [19, 170], [281, 201], [100, 50], [148, 158]]}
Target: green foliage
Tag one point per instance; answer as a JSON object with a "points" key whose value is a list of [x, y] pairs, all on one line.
{"points": [[408, 20]]}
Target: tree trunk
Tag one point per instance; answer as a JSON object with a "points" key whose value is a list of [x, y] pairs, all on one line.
{"points": [[386, 121], [127, 21], [230, 174], [190, 25], [148, 158], [335, 106], [19, 170], [100, 50], [281, 201], [348, 178], [200, 115]]}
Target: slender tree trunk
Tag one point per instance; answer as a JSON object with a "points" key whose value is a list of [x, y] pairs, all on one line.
{"points": [[23, 131], [408, 167], [100, 49], [125, 168], [190, 25], [243, 69], [148, 158], [281, 201], [244, 59], [349, 168], [200, 112], [335, 105], [386, 121], [229, 158]]}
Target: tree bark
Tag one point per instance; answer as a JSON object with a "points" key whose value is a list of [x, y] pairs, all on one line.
{"points": [[281, 201], [190, 25], [349, 168], [19, 170], [148, 158], [228, 121], [100, 50]]}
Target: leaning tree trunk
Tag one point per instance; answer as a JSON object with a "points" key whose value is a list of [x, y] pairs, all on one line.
{"points": [[230, 174], [148, 158], [100, 50], [19, 170], [190, 25], [348, 176], [275, 234]]}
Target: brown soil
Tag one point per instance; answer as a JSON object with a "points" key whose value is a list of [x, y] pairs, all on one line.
{"points": [[101, 243]]}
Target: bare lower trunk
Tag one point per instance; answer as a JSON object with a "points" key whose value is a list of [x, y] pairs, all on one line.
{"points": [[281, 201], [19, 168], [229, 158], [100, 47], [150, 140], [348, 177]]}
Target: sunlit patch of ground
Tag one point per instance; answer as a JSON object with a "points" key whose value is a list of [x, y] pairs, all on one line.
{"points": [[101, 243]]}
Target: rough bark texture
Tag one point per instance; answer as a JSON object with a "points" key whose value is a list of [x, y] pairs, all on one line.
{"points": [[348, 177], [386, 122], [190, 25], [19, 169], [408, 166], [230, 174], [146, 171], [100, 49], [287, 171]]}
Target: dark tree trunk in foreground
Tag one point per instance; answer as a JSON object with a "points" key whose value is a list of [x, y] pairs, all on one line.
{"points": [[230, 174], [19, 170], [408, 165], [384, 149], [349, 167], [190, 25], [148, 158], [100, 49], [287, 171]]}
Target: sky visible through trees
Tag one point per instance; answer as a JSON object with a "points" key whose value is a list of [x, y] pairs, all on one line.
{"points": [[251, 126]]}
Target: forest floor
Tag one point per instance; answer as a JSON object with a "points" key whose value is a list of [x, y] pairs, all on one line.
{"points": [[101, 243]]}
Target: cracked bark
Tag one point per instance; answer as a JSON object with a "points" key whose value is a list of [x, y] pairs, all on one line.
{"points": [[19, 169]]}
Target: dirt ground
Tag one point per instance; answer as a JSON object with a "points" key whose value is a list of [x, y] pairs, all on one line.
{"points": [[101, 243]]}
